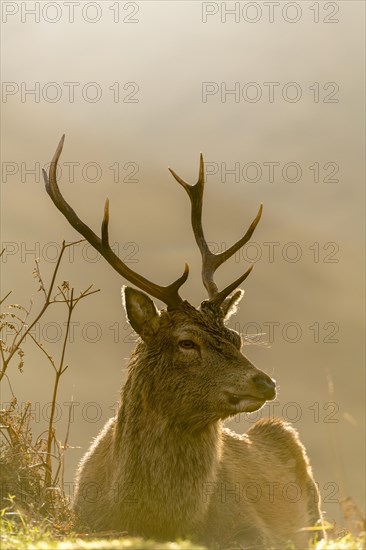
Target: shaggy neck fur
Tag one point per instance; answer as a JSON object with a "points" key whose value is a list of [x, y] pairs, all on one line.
{"points": [[169, 467]]}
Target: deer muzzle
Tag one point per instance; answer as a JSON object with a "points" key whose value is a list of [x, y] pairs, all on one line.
{"points": [[260, 389], [265, 385]]}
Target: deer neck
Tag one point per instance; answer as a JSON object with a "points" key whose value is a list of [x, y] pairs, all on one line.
{"points": [[157, 436], [171, 466]]}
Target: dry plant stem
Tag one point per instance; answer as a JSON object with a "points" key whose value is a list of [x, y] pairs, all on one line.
{"points": [[5, 297], [60, 463], [23, 323], [59, 372], [64, 295], [39, 345], [48, 301], [23, 418], [63, 448], [71, 303], [8, 379]]}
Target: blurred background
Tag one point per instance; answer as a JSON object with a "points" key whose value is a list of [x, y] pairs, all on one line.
{"points": [[272, 93]]}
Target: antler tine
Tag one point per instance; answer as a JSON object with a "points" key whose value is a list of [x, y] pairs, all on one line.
{"points": [[211, 261], [105, 222], [220, 296], [167, 294], [223, 256], [195, 193]]}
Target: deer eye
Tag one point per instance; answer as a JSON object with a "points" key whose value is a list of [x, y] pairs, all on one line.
{"points": [[187, 344]]}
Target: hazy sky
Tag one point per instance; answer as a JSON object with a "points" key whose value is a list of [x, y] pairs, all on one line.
{"points": [[273, 94]]}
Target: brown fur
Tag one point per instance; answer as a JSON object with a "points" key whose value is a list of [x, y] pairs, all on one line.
{"points": [[165, 468]]}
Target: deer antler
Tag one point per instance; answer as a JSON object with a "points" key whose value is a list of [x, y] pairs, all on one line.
{"points": [[167, 294], [211, 261]]}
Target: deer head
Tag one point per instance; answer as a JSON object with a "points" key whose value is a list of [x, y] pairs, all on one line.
{"points": [[186, 357]]}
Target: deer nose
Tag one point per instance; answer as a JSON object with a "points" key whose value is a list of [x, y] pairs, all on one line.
{"points": [[266, 385]]}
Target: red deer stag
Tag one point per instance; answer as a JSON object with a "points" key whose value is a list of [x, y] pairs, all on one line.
{"points": [[165, 467]]}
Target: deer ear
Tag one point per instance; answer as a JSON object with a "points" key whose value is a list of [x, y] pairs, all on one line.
{"points": [[230, 304], [141, 312]]}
